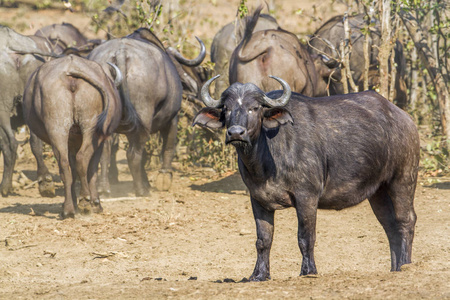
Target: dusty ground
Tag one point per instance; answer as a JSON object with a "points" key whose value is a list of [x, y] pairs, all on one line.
{"points": [[185, 243], [178, 244]]}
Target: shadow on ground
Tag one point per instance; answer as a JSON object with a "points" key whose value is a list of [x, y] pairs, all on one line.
{"points": [[232, 184], [47, 210], [440, 185]]}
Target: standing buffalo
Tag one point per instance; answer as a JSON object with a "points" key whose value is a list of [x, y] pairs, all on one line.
{"points": [[187, 69], [15, 68], [226, 40], [72, 104], [152, 85], [324, 45], [276, 52], [331, 152]]}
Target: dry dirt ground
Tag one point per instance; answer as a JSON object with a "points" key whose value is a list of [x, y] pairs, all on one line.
{"points": [[197, 241]]}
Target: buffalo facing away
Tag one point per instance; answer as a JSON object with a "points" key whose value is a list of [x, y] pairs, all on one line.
{"points": [[276, 52], [226, 40], [331, 153], [152, 86], [73, 105]]}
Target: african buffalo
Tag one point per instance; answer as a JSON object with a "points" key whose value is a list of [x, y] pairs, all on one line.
{"points": [[66, 36], [73, 105], [308, 153], [324, 45], [152, 85], [276, 52], [186, 68], [15, 68], [226, 40]]}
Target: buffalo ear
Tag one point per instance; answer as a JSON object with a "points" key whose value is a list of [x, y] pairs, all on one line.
{"points": [[209, 117], [276, 116]]}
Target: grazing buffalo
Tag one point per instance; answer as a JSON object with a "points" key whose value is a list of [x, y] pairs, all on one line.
{"points": [[324, 45], [276, 52], [152, 85], [226, 40], [331, 152], [73, 105], [15, 68]]}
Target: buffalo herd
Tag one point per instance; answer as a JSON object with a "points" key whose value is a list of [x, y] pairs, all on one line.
{"points": [[296, 146]]}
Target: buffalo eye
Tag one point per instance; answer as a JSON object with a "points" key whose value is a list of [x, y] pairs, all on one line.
{"points": [[252, 110]]}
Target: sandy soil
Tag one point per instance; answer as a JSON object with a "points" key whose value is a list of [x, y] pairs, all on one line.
{"points": [[197, 241], [183, 243]]}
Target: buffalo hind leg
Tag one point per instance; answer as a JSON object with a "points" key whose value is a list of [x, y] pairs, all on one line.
{"points": [[45, 179], [113, 170], [8, 145], [135, 154], [393, 207], [306, 216], [104, 187], [169, 137], [62, 156], [92, 180], [264, 230], [83, 159]]}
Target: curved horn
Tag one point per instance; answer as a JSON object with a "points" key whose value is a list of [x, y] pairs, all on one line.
{"points": [[119, 77], [190, 62], [284, 98], [206, 97], [329, 62]]}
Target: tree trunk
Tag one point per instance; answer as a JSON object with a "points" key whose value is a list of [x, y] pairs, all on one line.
{"points": [[437, 76], [385, 47]]}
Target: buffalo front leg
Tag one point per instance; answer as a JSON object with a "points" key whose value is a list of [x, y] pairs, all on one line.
{"points": [[306, 216], [264, 220], [169, 137], [45, 179]]}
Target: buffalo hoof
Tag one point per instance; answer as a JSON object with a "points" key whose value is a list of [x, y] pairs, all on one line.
{"points": [[97, 206], [69, 213], [84, 206], [6, 190], [46, 186], [163, 181], [259, 277]]}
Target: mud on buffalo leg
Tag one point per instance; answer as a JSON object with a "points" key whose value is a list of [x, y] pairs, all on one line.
{"points": [[46, 186], [264, 230], [135, 158], [306, 216], [8, 145], [393, 207], [169, 137]]}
